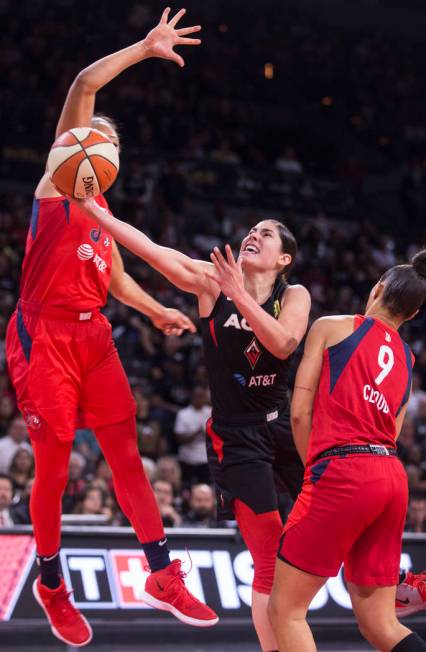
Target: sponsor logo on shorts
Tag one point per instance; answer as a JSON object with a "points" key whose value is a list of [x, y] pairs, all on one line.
{"points": [[33, 421]]}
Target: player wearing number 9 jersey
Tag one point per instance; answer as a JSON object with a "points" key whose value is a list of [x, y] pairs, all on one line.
{"points": [[349, 402]]}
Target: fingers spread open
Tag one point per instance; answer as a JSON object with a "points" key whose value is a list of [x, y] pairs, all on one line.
{"points": [[230, 255], [188, 41], [177, 59], [177, 18], [184, 31], [165, 15]]}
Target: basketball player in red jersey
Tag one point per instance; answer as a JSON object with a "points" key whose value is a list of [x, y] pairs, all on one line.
{"points": [[65, 367], [251, 322], [349, 402]]}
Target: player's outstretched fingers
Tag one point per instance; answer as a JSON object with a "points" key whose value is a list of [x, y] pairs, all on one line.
{"points": [[177, 18], [184, 31]]}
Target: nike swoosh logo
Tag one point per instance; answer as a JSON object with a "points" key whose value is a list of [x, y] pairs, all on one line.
{"points": [[159, 585], [162, 543]]}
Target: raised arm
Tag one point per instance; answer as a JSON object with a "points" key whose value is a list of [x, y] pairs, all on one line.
{"points": [[125, 289], [184, 272], [280, 336], [305, 386], [80, 102]]}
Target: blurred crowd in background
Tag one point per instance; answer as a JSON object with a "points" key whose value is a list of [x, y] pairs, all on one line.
{"points": [[275, 115]]}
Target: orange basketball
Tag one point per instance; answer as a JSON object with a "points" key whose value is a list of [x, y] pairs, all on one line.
{"points": [[83, 163]]}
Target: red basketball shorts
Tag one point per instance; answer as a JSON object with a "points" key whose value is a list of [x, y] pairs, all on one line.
{"points": [[66, 371], [351, 510]]}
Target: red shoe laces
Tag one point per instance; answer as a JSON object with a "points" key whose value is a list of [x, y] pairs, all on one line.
{"points": [[63, 606]]}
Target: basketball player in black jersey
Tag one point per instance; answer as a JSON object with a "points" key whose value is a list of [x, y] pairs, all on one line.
{"points": [[252, 321]]}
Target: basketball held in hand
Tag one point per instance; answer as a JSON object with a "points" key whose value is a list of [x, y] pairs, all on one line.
{"points": [[83, 163]]}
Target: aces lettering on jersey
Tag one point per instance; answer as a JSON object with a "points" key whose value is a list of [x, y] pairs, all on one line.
{"points": [[233, 322]]}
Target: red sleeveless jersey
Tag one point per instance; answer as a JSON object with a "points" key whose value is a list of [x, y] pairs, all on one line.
{"points": [[68, 258], [365, 381]]}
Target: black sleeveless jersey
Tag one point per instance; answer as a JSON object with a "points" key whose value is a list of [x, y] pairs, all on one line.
{"points": [[246, 380]]}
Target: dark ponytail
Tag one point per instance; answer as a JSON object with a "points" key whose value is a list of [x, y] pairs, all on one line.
{"points": [[288, 244], [405, 286], [419, 263]]}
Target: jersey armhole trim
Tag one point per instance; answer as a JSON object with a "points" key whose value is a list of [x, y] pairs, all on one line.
{"points": [[66, 206], [340, 354], [35, 211], [410, 377]]}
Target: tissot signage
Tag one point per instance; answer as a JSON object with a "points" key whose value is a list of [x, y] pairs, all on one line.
{"points": [[108, 570]]}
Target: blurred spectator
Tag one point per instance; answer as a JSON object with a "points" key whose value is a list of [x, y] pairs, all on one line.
{"points": [[103, 472], [416, 517], [150, 468], [190, 434], [17, 437], [6, 497], [95, 501], [168, 469], [21, 470], [76, 483], [202, 503], [163, 491], [149, 430], [288, 162], [7, 409], [417, 395], [21, 510], [85, 443], [420, 421]]}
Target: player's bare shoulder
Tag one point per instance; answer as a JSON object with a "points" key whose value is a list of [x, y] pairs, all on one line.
{"points": [[334, 328], [295, 293]]}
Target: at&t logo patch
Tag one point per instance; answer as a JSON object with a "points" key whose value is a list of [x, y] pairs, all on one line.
{"points": [[85, 252]]}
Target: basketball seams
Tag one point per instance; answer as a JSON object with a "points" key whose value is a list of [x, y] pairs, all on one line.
{"points": [[70, 167], [62, 164], [105, 159], [67, 134], [88, 158]]}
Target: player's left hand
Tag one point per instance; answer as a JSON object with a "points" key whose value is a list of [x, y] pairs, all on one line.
{"points": [[162, 39], [173, 322], [228, 272]]}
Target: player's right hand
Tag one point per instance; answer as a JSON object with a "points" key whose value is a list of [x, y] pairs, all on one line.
{"points": [[164, 37], [173, 322]]}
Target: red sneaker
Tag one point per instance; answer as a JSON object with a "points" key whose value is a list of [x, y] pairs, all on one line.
{"points": [[411, 594], [166, 590], [67, 623]]}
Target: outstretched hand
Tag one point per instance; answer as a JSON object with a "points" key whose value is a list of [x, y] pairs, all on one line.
{"points": [[161, 40], [173, 322], [228, 272]]}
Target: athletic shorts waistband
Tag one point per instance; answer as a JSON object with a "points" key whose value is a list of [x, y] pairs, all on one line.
{"points": [[250, 418], [52, 312], [357, 449]]}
